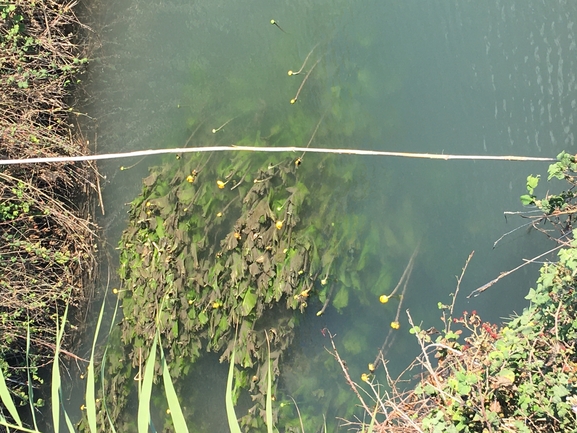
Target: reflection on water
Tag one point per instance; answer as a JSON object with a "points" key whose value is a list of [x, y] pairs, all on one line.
{"points": [[442, 76]]}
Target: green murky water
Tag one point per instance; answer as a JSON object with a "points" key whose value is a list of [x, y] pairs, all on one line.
{"points": [[470, 77]]}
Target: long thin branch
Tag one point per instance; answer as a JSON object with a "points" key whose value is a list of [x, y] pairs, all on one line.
{"points": [[484, 287], [233, 148], [352, 384]]}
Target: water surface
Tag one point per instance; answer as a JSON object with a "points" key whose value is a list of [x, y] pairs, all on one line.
{"points": [[444, 76]]}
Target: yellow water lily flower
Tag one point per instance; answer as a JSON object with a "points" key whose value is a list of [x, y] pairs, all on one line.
{"points": [[220, 184], [189, 178], [303, 295], [384, 299], [365, 377], [395, 325], [278, 225], [371, 367], [215, 305]]}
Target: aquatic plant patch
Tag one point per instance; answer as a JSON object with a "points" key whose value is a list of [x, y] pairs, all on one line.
{"points": [[241, 244]]}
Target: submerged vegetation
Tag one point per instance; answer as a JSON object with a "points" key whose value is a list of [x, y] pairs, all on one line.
{"points": [[250, 243], [46, 251], [240, 245]]}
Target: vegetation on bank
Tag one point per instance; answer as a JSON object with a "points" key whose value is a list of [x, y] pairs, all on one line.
{"points": [[47, 237], [520, 376]]}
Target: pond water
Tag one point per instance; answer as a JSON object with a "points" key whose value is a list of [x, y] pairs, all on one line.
{"points": [[473, 77]]}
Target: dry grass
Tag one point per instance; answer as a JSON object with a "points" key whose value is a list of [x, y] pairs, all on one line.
{"points": [[47, 237]]}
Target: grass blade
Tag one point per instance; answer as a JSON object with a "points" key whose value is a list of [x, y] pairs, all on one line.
{"points": [[56, 382], [7, 400], [372, 423], [268, 408], [103, 369], [145, 395], [30, 387], [90, 379], [230, 413], [173, 403], [68, 421], [8, 426]]}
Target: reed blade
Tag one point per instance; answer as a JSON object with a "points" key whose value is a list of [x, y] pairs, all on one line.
{"points": [[68, 421], [90, 379], [373, 418], [7, 400], [173, 403], [146, 393], [268, 408], [56, 387], [103, 369], [30, 387], [230, 413]]}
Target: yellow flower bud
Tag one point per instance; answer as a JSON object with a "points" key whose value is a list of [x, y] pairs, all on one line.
{"points": [[365, 377], [220, 184], [371, 367], [189, 179], [278, 225], [383, 299]]}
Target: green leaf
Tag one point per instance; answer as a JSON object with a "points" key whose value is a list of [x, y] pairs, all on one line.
{"points": [[527, 200], [507, 374], [202, 318], [248, 303], [532, 182]]}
